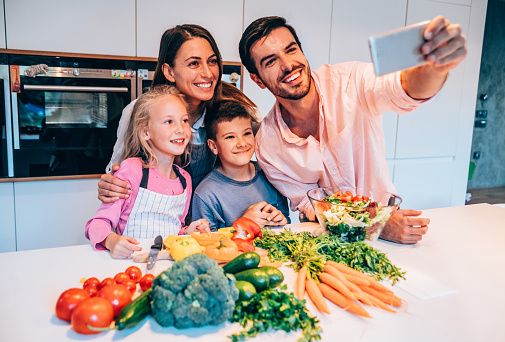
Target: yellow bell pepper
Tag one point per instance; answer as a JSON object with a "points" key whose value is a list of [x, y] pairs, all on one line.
{"points": [[228, 232], [170, 240], [183, 247]]}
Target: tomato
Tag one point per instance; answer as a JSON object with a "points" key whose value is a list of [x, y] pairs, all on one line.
{"points": [[117, 295], [91, 290], [134, 273], [130, 285], [91, 282], [97, 312], [146, 282], [67, 302], [121, 277], [105, 282]]}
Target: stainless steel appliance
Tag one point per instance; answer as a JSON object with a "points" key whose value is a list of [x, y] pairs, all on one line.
{"points": [[64, 120], [6, 152]]}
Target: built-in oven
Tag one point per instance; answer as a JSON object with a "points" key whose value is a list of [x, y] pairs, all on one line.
{"points": [[65, 113], [232, 73]]}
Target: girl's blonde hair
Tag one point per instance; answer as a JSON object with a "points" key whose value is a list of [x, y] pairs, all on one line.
{"points": [[135, 145]]}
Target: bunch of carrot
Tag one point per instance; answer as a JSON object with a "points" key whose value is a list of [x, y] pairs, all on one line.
{"points": [[345, 287]]}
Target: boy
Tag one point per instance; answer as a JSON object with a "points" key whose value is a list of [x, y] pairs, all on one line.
{"points": [[236, 187]]}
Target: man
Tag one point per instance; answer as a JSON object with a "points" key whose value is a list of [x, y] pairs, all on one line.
{"points": [[325, 128]]}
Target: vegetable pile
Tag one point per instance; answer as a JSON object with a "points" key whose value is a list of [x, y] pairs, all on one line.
{"points": [[352, 218], [304, 249]]}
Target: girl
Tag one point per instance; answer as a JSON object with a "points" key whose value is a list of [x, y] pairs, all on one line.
{"points": [[190, 60], [157, 133]]}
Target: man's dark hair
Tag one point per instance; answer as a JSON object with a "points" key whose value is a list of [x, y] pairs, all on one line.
{"points": [[255, 31], [223, 111]]}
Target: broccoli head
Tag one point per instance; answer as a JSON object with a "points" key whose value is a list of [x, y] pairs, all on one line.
{"points": [[192, 293]]}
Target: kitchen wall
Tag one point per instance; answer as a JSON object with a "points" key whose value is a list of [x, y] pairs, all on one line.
{"points": [[490, 141]]}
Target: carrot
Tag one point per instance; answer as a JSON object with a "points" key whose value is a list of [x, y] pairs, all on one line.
{"points": [[378, 303], [336, 284], [357, 280], [352, 272], [383, 297], [334, 272], [362, 297], [345, 303], [300, 283], [316, 296]]}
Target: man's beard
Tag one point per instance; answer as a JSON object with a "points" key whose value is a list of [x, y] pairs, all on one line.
{"points": [[299, 93]]}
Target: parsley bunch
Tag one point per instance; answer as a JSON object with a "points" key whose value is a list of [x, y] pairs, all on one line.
{"points": [[304, 249], [274, 309]]}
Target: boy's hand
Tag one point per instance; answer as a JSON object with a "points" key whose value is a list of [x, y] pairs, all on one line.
{"points": [[201, 226], [110, 188], [265, 214], [121, 246]]}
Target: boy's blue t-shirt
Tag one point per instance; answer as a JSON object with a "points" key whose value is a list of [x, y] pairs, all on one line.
{"points": [[222, 200]]}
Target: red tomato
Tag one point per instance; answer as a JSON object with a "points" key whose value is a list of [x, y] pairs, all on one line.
{"points": [[134, 273], [68, 301], [130, 285], [91, 282], [146, 282], [91, 290], [121, 277], [117, 295], [97, 312], [105, 282]]}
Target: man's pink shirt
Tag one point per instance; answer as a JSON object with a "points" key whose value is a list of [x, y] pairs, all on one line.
{"points": [[351, 146]]}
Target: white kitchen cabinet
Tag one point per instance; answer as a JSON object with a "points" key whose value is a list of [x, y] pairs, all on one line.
{"points": [[423, 183], [353, 22], [312, 23], [8, 223], [54, 213], [93, 26], [223, 18], [2, 26], [432, 130]]}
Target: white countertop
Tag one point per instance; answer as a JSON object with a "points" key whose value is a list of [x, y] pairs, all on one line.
{"points": [[463, 251]]}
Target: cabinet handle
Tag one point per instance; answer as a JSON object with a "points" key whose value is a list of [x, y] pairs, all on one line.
{"points": [[15, 119], [76, 88]]}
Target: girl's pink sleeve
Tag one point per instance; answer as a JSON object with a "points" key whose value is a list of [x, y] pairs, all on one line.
{"points": [[109, 214]]}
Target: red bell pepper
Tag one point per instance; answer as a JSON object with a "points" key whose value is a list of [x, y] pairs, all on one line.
{"points": [[244, 245], [247, 229]]}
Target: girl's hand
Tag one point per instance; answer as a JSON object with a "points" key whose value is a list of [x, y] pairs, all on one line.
{"points": [[121, 246], [201, 226], [110, 188]]}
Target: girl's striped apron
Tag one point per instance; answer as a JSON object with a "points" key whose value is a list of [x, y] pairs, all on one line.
{"points": [[155, 214]]}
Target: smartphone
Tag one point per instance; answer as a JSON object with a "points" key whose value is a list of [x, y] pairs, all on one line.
{"points": [[398, 49]]}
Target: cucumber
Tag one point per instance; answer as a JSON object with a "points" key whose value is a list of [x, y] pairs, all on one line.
{"points": [[256, 276], [243, 262], [246, 290], [135, 311], [275, 276]]}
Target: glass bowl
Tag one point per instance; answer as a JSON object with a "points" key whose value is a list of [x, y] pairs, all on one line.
{"points": [[358, 215]]}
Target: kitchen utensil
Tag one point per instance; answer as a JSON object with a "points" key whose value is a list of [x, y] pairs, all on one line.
{"points": [[153, 253]]}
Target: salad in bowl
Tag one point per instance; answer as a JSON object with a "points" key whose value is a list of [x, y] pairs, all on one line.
{"points": [[351, 213]]}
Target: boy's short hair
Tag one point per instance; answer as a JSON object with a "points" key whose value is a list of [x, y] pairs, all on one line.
{"points": [[223, 111]]}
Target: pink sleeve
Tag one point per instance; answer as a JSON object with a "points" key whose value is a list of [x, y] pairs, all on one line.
{"points": [[109, 214]]}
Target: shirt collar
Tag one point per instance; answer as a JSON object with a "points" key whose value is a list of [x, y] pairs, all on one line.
{"points": [[200, 122]]}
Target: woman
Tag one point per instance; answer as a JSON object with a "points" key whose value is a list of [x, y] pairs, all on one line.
{"points": [[190, 60]]}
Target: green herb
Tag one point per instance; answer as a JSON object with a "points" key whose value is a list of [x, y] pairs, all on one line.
{"points": [[304, 249], [274, 309]]}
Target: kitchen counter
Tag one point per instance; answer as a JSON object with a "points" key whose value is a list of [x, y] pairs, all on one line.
{"points": [[458, 265]]}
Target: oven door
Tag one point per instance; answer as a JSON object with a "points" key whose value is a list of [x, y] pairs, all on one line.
{"points": [[65, 121]]}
